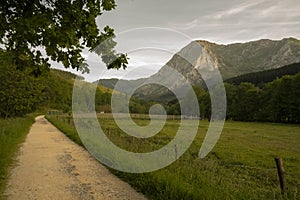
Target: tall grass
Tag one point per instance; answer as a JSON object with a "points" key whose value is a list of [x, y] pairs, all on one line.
{"points": [[241, 166], [12, 133]]}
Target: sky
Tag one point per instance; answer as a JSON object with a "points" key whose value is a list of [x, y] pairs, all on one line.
{"points": [[151, 31]]}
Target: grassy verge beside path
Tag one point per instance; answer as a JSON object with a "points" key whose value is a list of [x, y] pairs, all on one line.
{"points": [[12, 133], [241, 165]]}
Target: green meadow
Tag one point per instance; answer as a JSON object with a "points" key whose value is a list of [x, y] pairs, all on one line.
{"points": [[241, 165]]}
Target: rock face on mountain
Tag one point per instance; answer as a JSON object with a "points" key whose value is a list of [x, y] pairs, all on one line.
{"points": [[243, 58], [201, 60], [236, 59]]}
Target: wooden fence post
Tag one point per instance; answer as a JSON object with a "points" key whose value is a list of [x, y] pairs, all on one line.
{"points": [[176, 151], [280, 171]]}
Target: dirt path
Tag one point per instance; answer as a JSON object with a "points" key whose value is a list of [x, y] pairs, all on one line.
{"points": [[50, 166]]}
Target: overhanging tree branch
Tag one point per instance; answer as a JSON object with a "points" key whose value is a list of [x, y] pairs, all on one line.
{"points": [[63, 27]]}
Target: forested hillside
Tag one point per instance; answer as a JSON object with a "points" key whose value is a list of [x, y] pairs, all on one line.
{"points": [[22, 93], [259, 78]]}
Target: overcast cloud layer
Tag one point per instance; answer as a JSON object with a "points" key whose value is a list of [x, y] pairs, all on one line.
{"points": [[217, 21]]}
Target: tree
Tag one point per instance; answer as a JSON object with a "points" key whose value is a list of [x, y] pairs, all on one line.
{"points": [[282, 99], [19, 93], [295, 100], [62, 27], [232, 100], [248, 101], [204, 102], [242, 101]]}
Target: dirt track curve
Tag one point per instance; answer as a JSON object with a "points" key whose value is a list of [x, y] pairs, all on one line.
{"points": [[50, 166]]}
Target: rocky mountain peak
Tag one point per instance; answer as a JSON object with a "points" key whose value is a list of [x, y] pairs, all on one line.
{"points": [[203, 57]]}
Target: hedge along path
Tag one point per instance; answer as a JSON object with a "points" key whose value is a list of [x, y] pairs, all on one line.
{"points": [[50, 166]]}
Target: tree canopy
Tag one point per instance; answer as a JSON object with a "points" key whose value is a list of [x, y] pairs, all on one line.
{"points": [[19, 92], [62, 28]]}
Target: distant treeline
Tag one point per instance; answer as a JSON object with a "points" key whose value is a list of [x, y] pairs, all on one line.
{"points": [[259, 78], [276, 101]]}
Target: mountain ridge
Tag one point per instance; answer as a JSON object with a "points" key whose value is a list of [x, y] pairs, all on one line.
{"points": [[248, 55], [231, 60]]}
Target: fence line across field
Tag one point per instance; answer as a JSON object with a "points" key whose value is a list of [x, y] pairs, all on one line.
{"points": [[124, 116], [145, 116]]}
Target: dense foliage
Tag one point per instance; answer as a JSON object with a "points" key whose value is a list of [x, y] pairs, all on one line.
{"points": [[276, 101], [20, 93], [62, 28], [34, 32]]}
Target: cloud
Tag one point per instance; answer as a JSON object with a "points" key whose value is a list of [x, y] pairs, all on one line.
{"points": [[250, 20], [239, 9], [217, 21]]}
